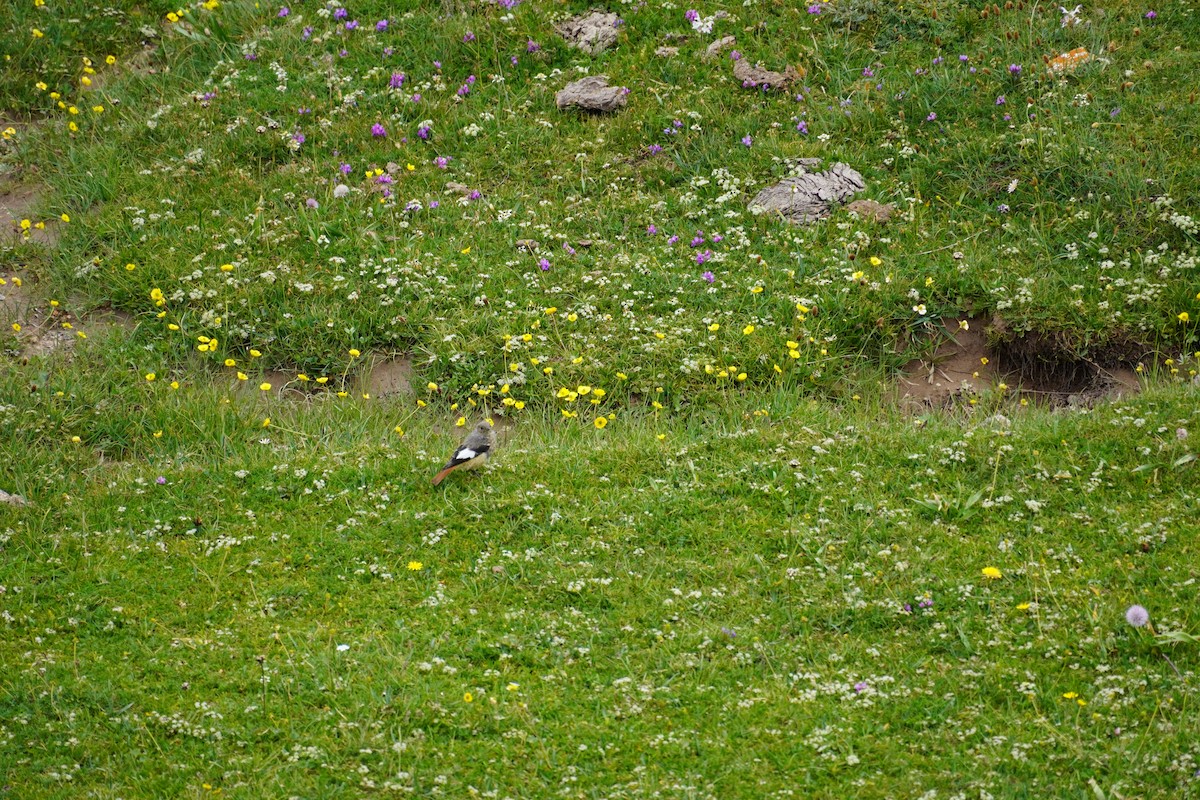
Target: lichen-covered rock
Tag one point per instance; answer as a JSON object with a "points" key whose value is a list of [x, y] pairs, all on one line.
{"points": [[591, 33], [592, 94], [808, 198], [753, 76]]}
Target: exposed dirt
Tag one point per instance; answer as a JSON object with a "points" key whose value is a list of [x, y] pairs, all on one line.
{"points": [[957, 369], [46, 329], [18, 202], [391, 377], [1042, 368]]}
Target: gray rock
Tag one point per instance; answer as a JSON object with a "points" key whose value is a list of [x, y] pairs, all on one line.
{"points": [[753, 76], [716, 47], [12, 499], [666, 52], [592, 33], [808, 198], [591, 94]]}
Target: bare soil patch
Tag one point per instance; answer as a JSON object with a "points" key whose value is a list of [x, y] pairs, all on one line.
{"points": [[1043, 368]]}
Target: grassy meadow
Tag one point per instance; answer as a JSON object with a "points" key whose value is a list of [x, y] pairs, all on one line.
{"points": [[268, 262]]}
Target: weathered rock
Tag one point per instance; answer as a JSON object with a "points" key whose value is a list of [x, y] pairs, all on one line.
{"points": [[869, 209], [528, 245], [591, 33], [714, 49], [591, 94], [12, 499], [666, 52], [808, 198], [753, 76]]}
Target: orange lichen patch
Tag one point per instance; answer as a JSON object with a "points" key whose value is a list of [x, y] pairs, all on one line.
{"points": [[1068, 61]]}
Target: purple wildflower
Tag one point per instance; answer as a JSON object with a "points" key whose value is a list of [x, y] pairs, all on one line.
{"points": [[868, 72], [424, 132], [673, 239], [938, 60], [160, 480], [932, 116], [692, 15], [532, 47], [298, 137], [697, 240], [860, 687], [416, 98], [312, 203], [708, 276], [346, 169], [341, 13], [377, 130], [397, 80], [716, 237], [570, 250], [1001, 100], [545, 265], [651, 229], [1014, 69], [746, 140], [1151, 15], [468, 37], [513, 60], [381, 26], [814, 9], [802, 127], [352, 25], [703, 257], [964, 58], [475, 194], [1003, 208], [306, 33], [283, 12], [434, 204]]}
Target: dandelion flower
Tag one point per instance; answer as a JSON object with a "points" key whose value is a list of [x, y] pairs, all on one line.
{"points": [[415, 566], [992, 573], [1137, 616]]}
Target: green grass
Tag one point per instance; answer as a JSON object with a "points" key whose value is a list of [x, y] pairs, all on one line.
{"points": [[604, 611], [756, 577]]}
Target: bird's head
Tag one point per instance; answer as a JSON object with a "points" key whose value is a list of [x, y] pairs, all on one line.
{"points": [[483, 427]]}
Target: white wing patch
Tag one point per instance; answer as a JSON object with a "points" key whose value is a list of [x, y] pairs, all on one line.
{"points": [[465, 454]]}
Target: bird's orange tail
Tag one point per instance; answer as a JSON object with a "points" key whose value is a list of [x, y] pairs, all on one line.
{"points": [[442, 475]]}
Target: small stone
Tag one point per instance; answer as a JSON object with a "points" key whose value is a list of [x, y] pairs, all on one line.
{"points": [[714, 49], [869, 209], [755, 77], [591, 94], [12, 499], [666, 52], [592, 33], [528, 245], [808, 198]]}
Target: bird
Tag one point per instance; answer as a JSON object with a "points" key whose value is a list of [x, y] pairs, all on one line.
{"points": [[472, 453]]}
